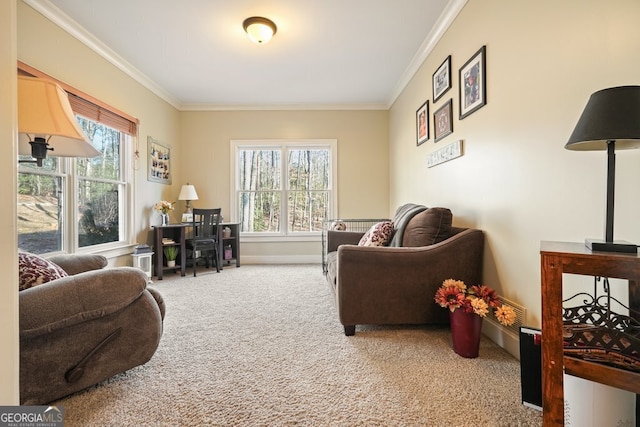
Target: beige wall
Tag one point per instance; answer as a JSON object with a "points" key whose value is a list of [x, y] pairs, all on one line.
{"points": [[9, 346], [47, 47], [516, 181], [362, 163]]}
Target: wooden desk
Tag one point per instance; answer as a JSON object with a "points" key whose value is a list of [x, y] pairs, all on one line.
{"points": [[575, 258], [177, 233]]}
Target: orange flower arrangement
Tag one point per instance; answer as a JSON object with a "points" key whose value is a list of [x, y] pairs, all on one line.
{"points": [[478, 299]]}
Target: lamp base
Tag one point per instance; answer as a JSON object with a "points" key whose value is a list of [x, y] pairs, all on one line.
{"points": [[617, 246]]}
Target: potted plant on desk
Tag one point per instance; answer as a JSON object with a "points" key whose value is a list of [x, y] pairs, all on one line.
{"points": [[171, 252]]}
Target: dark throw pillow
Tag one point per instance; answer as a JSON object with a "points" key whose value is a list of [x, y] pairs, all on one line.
{"points": [[428, 228]]}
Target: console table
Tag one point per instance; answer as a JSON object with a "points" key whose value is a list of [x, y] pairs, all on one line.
{"points": [[558, 258]]}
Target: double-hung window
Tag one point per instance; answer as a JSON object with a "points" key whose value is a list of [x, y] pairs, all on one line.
{"points": [[80, 204], [284, 188]]}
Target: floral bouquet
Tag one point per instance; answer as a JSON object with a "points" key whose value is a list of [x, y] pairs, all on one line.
{"points": [[164, 206], [478, 299]]}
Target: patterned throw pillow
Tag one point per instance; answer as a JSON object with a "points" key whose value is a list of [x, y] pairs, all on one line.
{"points": [[34, 270], [378, 235]]}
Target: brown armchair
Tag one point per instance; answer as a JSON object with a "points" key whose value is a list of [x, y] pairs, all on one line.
{"points": [[79, 330], [397, 285]]}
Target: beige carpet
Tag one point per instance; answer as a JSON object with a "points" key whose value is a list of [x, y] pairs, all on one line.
{"points": [[262, 346]]}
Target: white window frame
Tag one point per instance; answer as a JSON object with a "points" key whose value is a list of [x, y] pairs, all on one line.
{"points": [[125, 200], [67, 170], [284, 145]]}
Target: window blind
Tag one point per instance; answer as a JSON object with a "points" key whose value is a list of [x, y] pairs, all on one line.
{"points": [[87, 106]]}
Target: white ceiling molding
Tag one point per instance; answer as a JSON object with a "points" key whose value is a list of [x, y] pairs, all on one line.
{"points": [[56, 16], [444, 22]]}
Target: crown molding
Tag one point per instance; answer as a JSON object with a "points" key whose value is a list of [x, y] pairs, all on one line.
{"points": [[55, 15], [440, 27]]}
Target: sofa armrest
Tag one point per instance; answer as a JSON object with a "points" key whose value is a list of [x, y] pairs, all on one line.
{"points": [[79, 298], [336, 238], [79, 263], [372, 278]]}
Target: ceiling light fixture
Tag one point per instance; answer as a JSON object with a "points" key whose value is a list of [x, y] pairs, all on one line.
{"points": [[259, 29], [47, 123]]}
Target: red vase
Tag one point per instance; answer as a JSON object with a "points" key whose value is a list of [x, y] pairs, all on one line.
{"points": [[465, 332]]}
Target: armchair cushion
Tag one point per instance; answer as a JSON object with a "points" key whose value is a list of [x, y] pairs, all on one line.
{"points": [[81, 329], [428, 228], [35, 270]]}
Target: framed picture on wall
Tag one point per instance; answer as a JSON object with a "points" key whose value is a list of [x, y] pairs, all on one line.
{"points": [[442, 79], [473, 83], [443, 121], [422, 123], [159, 162]]}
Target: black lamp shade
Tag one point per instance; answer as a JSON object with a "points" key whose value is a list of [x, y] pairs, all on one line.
{"points": [[610, 115], [610, 121]]}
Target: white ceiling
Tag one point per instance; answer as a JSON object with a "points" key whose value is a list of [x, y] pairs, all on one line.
{"points": [[326, 53]]}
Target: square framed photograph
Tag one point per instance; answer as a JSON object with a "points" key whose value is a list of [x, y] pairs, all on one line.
{"points": [[443, 121], [442, 79], [422, 123], [159, 162], [473, 83]]}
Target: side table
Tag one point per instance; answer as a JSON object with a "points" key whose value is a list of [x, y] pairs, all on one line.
{"points": [[558, 258]]}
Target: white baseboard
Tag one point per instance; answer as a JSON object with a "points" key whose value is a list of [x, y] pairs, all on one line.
{"points": [[502, 337], [282, 259]]}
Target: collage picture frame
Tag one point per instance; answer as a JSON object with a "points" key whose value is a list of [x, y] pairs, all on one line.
{"points": [[159, 162]]}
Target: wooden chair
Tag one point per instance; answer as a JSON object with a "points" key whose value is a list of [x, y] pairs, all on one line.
{"points": [[205, 236]]}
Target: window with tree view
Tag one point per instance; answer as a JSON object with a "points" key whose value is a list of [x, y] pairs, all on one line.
{"points": [[284, 188], [74, 203]]}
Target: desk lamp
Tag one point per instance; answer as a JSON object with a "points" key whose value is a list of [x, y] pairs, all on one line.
{"points": [[188, 193], [46, 122], [610, 121]]}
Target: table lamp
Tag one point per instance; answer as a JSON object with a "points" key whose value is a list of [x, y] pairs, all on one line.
{"points": [[610, 121], [46, 122], [188, 193]]}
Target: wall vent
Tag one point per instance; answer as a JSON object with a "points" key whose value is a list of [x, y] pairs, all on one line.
{"points": [[520, 316]]}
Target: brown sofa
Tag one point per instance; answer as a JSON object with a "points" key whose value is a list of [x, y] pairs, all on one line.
{"points": [[79, 330], [396, 284]]}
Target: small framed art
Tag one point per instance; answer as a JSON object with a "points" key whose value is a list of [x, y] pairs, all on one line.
{"points": [[442, 79], [443, 121], [187, 217], [422, 123], [159, 168], [473, 83]]}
